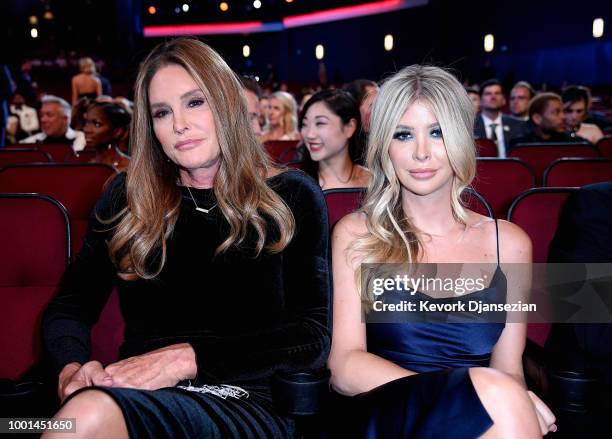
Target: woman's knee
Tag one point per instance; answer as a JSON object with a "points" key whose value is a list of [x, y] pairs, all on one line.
{"points": [[94, 412]]}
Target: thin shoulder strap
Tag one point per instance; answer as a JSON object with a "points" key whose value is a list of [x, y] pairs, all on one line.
{"points": [[497, 240]]}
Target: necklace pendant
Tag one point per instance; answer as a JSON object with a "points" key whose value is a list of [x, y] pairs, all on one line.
{"points": [[201, 209]]}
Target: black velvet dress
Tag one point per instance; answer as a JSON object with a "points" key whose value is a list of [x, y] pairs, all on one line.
{"points": [[246, 317]]}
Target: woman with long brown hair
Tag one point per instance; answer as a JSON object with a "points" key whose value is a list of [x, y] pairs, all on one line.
{"points": [[222, 273]]}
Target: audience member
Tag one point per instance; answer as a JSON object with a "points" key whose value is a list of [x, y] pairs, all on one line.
{"points": [[584, 235], [86, 83], [593, 117], [77, 119], [264, 110], [23, 119], [575, 104], [330, 125], [546, 121], [252, 92], [106, 124], [427, 379], [198, 357], [282, 118], [520, 95], [474, 95], [54, 118], [491, 123]]}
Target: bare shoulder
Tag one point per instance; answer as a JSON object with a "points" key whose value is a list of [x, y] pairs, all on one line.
{"points": [[514, 243], [350, 227]]}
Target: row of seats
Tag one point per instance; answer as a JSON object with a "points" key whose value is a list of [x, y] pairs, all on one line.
{"points": [[25, 154], [38, 248], [487, 148]]}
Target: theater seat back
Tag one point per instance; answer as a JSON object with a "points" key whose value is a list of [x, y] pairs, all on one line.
{"points": [[341, 202], [76, 186], [578, 172], [34, 253], [19, 156]]}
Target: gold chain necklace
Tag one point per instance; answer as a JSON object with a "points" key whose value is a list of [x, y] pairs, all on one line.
{"points": [[198, 208]]}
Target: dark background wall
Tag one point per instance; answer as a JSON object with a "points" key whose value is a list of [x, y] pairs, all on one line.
{"points": [[542, 41]]}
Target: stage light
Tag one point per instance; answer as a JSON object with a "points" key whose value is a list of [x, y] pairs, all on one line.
{"points": [[34, 32], [489, 43], [246, 51], [319, 51], [185, 7], [33, 20], [289, 1], [152, 10], [389, 42], [48, 15], [257, 4], [598, 27], [223, 6]]}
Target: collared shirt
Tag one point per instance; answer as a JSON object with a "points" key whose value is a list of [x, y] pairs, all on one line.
{"points": [[73, 137], [499, 132]]}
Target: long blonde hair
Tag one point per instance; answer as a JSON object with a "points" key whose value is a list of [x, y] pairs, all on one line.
{"points": [[392, 237], [153, 196]]}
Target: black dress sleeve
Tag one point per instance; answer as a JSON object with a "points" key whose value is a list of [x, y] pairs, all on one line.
{"points": [[302, 341], [84, 287]]}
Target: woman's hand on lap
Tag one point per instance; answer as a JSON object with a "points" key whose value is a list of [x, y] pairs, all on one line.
{"points": [[74, 376], [160, 368]]}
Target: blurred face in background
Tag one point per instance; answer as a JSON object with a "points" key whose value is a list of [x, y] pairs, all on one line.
{"points": [[324, 133], [574, 114], [365, 109], [264, 108], [253, 109], [492, 98], [551, 119], [276, 112], [99, 132], [519, 101], [475, 98], [53, 120]]}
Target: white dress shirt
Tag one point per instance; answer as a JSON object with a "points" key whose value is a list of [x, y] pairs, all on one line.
{"points": [[499, 132]]}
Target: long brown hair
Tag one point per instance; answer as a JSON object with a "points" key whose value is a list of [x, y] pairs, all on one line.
{"points": [[153, 196]]}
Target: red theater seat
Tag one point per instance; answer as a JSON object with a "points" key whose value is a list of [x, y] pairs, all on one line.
{"points": [[17, 156], [477, 202], [540, 155], [485, 147], [500, 181], [34, 253], [281, 151], [76, 186], [57, 151], [80, 157], [537, 212], [341, 202], [604, 146], [578, 172]]}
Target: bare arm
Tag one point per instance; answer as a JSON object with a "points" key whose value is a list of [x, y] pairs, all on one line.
{"points": [[354, 370], [75, 91], [516, 251]]}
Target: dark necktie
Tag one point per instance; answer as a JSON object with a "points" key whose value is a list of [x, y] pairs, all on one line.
{"points": [[493, 135]]}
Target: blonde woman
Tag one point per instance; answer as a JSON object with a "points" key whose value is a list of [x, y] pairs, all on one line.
{"points": [[222, 274], [86, 84], [428, 379], [282, 118]]}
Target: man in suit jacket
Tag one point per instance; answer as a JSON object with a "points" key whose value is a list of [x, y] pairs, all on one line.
{"points": [[491, 123], [584, 235]]}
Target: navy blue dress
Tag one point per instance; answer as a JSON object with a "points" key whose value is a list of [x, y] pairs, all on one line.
{"points": [[439, 401]]}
